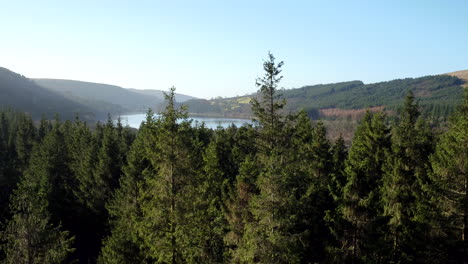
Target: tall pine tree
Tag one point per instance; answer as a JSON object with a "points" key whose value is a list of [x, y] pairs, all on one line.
{"points": [[271, 237], [169, 197], [404, 181], [360, 204], [34, 235], [124, 245], [450, 175]]}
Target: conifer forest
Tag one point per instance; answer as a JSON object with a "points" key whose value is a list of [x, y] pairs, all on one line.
{"points": [[277, 191]]}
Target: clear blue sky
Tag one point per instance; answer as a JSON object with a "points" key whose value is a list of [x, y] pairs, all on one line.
{"points": [[216, 48]]}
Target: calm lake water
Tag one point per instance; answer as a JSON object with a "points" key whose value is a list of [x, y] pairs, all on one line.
{"points": [[134, 120]]}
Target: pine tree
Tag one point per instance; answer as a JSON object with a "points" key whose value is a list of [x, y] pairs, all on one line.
{"points": [[30, 237], [316, 200], [44, 127], [338, 178], [124, 245], [218, 174], [404, 181], [24, 141], [8, 177], [272, 238], [86, 223], [243, 188], [360, 205], [33, 234], [169, 199], [108, 167], [450, 175], [238, 212]]}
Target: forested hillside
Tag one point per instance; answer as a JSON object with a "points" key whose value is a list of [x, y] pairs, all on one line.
{"points": [[21, 93], [438, 97], [160, 94], [122, 100], [108, 98], [275, 192]]}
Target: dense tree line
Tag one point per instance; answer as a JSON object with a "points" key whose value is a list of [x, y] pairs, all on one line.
{"points": [[277, 191]]}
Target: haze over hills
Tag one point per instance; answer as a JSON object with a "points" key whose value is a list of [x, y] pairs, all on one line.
{"points": [[124, 99], [160, 94], [109, 98], [21, 93]]}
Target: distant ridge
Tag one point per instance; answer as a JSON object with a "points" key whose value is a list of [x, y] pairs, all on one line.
{"points": [[160, 94], [438, 96], [23, 94], [108, 98], [460, 74], [123, 100]]}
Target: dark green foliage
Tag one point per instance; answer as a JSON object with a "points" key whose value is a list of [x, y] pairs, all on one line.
{"points": [[24, 140], [30, 237], [450, 176], [403, 191], [315, 173], [96, 163], [238, 212], [33, 234], [170, 199], [439, 95], [8, 174], [269, 237], [360, 202], [338, 177], [124, 245], [17, 138], [109, 162], [278, 212], [222, 159]]}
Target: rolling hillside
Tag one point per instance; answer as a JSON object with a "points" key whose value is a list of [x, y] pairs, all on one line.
{"points": [[21, 93], [462, 75], [160, 94], [438, 96], [114, 99]]}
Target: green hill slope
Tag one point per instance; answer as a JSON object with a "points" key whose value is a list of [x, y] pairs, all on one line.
{"points": [[123, 100], [160, 94], [438, 97], [21, 93]]}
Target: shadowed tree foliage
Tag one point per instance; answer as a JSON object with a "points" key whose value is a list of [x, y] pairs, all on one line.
{"points": [[32, 235], [450, 174], [124, 245], [170, 197], [359, 205], [403, 189]]}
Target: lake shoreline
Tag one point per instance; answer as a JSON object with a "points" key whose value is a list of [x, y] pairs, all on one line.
{"points": [[134, 120]]}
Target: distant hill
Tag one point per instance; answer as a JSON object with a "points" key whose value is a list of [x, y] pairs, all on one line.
{"points": [[159, 94], [114, 98], [438, 96], [21, 93], [460, 74], [108, 98]]}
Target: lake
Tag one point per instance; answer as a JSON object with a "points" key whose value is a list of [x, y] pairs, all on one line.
{"points": [[134, 120]]}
